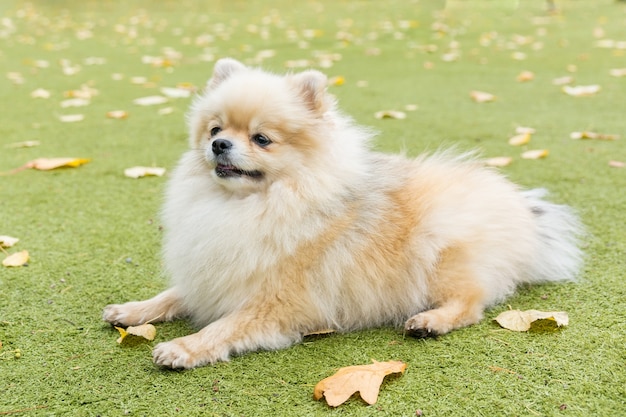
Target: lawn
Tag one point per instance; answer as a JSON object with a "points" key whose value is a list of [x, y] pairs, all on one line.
{"points": [[93, 235]]}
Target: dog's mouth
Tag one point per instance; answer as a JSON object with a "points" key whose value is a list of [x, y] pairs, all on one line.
{"points": [[231, 171]]}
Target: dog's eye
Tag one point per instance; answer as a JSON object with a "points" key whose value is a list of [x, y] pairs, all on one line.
{"points": [[261, 140], [215, 130]]}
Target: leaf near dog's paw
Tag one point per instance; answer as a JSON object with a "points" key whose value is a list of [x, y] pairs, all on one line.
{"points": [[138, 172], [521, 321], [46, 164], [147, 331], [390, 114], [535, 154], [8, 241], [481, 96], [17, 259], [365, 379]]}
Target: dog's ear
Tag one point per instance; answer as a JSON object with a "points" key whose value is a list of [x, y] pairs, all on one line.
{"points": [[311, 86], [223, 69]]}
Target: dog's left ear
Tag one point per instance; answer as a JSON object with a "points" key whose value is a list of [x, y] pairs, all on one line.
{"points": [[223, 69], [311, 86]]}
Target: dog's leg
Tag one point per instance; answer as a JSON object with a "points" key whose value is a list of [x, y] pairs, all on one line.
{"points": [[457, 295], [239, 332], [164, 307]]}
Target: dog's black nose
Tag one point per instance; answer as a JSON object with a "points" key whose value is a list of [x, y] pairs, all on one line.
{"points": [[220, 146]]}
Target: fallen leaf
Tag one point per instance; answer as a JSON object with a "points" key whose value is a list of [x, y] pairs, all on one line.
{"points": [[525, 76], [25, 144], [499, 161], [46, 164], [139, 171], [592, 135], [618, 72], [71, 118], [390, 114], [40, 93], [482, 97], [117, 114], [150, 100], [535, 154], [365, 379], [74, 102], [147, 331], [411, 107], [8, 241], [521, 321], [519, 140], [175, 92], [166, 110], [16, 259], [581, 90], [337, 81], [520, 130], [319, 332], [568, 79], [617, 164]]}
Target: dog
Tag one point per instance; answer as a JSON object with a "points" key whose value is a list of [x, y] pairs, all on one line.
{"points": [[280, 221]]}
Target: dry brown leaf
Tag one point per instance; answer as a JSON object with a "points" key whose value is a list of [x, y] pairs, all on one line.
{"points": [[521, 321], [364, 379], [390, 114], [8, 241], [592, 135], [16, 259], [46, 164], [481, 96], [525, 76], [499, 161], [139, 171], [519, 140], [581, 90], [147, 331], [535, 154]]}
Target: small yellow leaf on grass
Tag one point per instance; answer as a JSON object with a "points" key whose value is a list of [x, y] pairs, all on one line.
{"points": [[482, 97], [337, 81], [138, 172], [390, 114], [581, 90], [535, 154], [499, 161], [46, 164], [8, 241], [150, 100], [147, 331], [117, 114], [521, 321], [365, 379], [519, 140], [16, 259], [592, 135]]}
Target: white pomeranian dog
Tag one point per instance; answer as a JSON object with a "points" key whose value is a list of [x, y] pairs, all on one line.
{"points": [[280, 221]]}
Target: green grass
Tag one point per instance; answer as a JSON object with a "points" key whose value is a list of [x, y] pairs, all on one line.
{"points": [[94, 235]]}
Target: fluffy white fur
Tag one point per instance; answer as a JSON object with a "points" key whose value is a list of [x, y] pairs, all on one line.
{"points": [[266, 242]]}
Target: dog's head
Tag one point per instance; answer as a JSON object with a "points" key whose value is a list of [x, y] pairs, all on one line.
{"points": [[256, 128]]}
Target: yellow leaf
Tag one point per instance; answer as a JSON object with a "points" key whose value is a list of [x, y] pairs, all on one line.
{"points": [[123, 334], [390, 114], [482, 97], [520, 130], [46, 164], [8, 241], [176, 92], [519, 140], [365, 379], [117, 114], [147, 331], [337, 81], [16, 259], [322, 332], [521, 321], [150, 100], [535, 154], [592, 135], [40, 93], [499, 161], [525, 76], [138, 172]]}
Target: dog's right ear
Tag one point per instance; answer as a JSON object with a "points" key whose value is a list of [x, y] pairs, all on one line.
{"points": [[223, 69]]}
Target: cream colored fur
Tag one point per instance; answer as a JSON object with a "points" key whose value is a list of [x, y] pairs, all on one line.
{"points": [[331, 234]]}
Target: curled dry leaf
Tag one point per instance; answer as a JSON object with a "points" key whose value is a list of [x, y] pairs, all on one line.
{"points": [[499, 161], [147, 331], [521, 321], [46, 164], [390, 114], [8, 241], [117, 114], [581, 90], [519, 140], [365, 379], [481, 96], [150, 100], [16, 259], [592, 135], [535, 154], [139, 171]]}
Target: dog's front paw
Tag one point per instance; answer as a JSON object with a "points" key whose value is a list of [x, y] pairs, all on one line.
{"points": [[425, 325], [186, 353], [116, 314]]}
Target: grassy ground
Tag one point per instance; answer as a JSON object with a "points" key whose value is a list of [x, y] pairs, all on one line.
{"points": [[93, 234]]}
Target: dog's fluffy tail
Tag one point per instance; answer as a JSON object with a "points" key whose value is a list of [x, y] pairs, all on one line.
{"points": [[558, 257]]}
